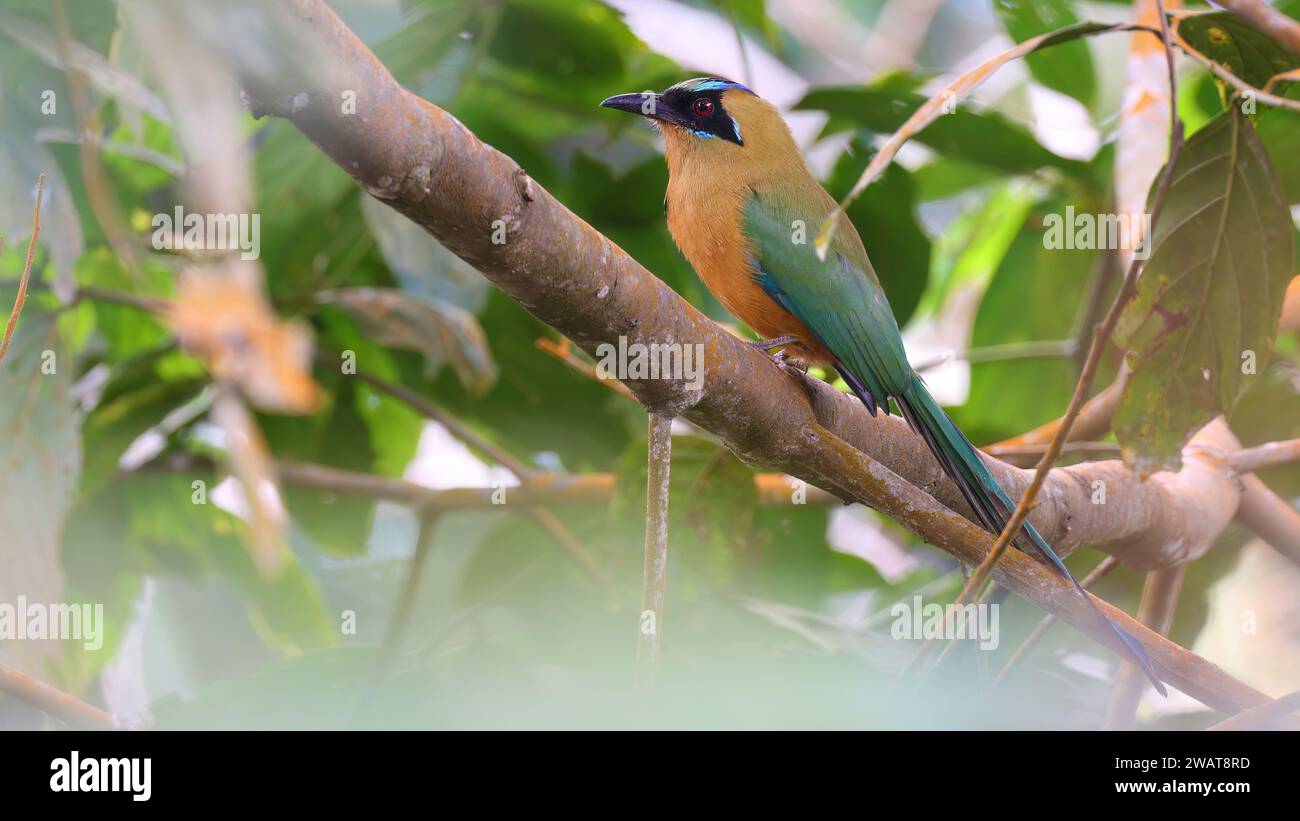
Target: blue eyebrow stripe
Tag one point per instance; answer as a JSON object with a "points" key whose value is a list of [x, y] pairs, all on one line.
{"points": [[716, 85]]}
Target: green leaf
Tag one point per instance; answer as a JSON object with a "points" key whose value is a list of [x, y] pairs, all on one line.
{"points": [[752, 15], [1279, 131], [127, 330], [1066, 68], [885, 216], [40, 457], [443, 332], [985, 138], [422, 264], [1032, 297], [334, 437], [713, 498], [1210, 295], [572, 43], [1236, 46]]}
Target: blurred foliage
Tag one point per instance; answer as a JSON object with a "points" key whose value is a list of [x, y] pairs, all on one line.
{"points": [[767, 624]]}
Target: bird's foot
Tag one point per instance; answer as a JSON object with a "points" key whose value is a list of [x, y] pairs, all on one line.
{"points": [[766, 345], [780, 358], [782, 361]]}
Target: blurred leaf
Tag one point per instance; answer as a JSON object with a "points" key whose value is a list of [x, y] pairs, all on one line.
{"points": [[751, 15], [1279, 131], [885, 217], [335, 437], [22, 161], [250, 464], [318, 690], [1067, 68], [578, 43], [148, 525], [713, 499], [945, 177], [422, 265], [443, 332], [40, 457], [1270, 412], [104, 77], [985, 138], [973, 246], [1033, 296], [127, 330], [1236, 46], [224, 318], [1210, 295]]}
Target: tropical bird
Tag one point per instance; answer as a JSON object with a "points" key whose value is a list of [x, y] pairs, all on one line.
{"points": [[741, 205]]}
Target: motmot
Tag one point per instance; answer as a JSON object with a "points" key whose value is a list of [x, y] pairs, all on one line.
{"points": [[741, 204]]}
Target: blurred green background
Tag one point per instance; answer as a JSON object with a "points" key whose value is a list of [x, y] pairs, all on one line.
{"points": [[777, 614]]}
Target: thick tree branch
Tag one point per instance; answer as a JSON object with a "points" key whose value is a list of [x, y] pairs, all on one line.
{"points": [[1268, 20], [423, 162]]}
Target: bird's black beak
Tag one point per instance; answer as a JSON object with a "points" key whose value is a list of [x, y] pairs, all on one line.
{"points": [[644, 103]]}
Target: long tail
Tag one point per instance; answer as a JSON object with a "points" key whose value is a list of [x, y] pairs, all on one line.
{"points": [[989, 501]]}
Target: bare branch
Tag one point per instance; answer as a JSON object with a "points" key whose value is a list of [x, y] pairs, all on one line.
{"points": [[65, 707], [654, 580], [1263, 717], [1100, 571], [1100, 339], [1264, 456], [21, 299], [1268, 20], [1159, 600], [423, 162], [1269, 517]]}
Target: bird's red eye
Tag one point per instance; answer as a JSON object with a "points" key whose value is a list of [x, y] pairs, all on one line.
{"points": [[702, 107]]}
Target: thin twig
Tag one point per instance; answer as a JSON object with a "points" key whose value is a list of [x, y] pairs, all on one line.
{"points": [[564, 352], [454, 426], [1016, 454], [522, 471], [21, 299], [1264, 456], [1159, 600], [659, 451], [1107, 564], [1260, 95], [1038, 349], [64, 706], [405, 603], [1269, 517], [1100, 338]]}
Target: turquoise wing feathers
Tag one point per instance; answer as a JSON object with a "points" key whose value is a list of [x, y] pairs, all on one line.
{"points": [[839, 299], [841, 303]]}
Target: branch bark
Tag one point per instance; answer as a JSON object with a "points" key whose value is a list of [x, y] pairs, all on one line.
{"points": [[1268, 20], [421, 161], [65, 707]]}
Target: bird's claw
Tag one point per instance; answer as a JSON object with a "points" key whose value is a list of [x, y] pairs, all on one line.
{"points": [[784, 362]]}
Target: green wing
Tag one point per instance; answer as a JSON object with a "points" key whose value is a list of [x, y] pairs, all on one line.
{"points": [[838, 299]]}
